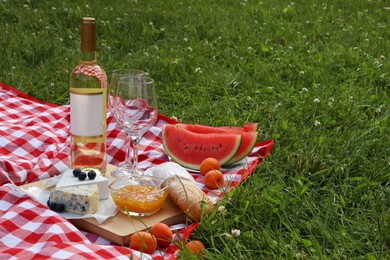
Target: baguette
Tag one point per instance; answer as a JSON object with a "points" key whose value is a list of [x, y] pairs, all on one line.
{"points": [[188, 197]]}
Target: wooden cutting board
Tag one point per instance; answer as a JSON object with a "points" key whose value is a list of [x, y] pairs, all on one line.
{"points": [[119, 228]]}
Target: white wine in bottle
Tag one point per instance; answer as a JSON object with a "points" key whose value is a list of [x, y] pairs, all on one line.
{"points": [[88, 94]]}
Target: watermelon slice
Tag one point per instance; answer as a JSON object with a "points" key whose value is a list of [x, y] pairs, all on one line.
{"points": [[189, 149], [248, 132], [248, 127]]}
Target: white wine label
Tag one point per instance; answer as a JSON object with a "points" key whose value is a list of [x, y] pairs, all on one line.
{"points": [[86, 112]]}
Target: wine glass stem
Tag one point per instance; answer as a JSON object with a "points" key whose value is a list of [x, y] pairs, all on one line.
{"points": [[127, 163], [134, 163]]}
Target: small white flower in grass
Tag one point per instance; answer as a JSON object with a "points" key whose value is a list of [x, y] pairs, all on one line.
{"points": [[236, 232], [53, 8], [317, 123], [174, 118], [155, 47], [350, 99], [25, 6], [189, 48], [222, 209], [175, 61], [330, 102], [379, 109], [198, 70], [151, 23], [162, 29], [301, 72], [305, 90], [316, 100], [185, 39]]}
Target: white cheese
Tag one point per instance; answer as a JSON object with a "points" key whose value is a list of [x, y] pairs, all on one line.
{"points": [[67, 179], [81, 199]]}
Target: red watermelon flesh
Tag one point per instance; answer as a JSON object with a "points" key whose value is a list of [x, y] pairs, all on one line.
{"points": [[189, 149], [248, 141], [248, 127]]}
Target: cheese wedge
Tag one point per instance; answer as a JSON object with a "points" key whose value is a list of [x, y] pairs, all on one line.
{"points": [[80, 199]]}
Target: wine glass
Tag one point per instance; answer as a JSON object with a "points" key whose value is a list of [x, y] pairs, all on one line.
{"points": [[136, 112], [115, 76]]}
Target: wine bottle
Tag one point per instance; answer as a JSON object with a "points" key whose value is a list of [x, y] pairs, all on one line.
{"points": [[88, 92]]}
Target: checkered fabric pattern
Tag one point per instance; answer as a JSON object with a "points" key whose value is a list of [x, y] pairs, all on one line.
{"points": [[34, 145], [30, 230]]}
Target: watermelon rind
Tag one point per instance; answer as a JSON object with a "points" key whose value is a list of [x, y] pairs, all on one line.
{"points": [[189, 149], [245, 148]]}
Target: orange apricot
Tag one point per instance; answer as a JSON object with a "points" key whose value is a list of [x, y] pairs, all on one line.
{"points": [[143, 242], [209, 164], [196, 247], [162, 233], [214, 179]]}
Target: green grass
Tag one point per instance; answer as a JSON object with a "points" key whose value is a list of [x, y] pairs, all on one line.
{"points": [[315, 75]]}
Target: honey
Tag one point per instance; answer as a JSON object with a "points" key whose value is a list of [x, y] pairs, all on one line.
{"points": [[139, 199]]}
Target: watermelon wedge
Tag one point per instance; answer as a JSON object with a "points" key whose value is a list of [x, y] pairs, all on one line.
{"points": [[248, 132], [189, 149], [248, 127]]}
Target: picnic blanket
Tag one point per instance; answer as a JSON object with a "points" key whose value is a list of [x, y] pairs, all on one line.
{"points": [[34, 145]]}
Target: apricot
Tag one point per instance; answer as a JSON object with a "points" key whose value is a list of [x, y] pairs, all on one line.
{"points": [[196, 248], [214, 179], [143, 242], [209, 164], [162, 233]]}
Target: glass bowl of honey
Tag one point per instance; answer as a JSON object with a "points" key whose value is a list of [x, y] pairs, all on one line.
{"points": [[138, 195]]}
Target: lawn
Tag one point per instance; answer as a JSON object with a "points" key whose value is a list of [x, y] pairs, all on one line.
{"points": [[314, 74]]}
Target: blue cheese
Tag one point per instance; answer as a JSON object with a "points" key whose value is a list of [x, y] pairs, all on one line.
{"points": [[67, 179], [80, 199]]}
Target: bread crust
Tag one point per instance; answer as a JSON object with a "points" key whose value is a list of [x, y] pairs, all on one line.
{"points": [[188, 197]]}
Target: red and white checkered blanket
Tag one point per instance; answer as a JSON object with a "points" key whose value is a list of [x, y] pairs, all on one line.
{"points": [[34, 145]]}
